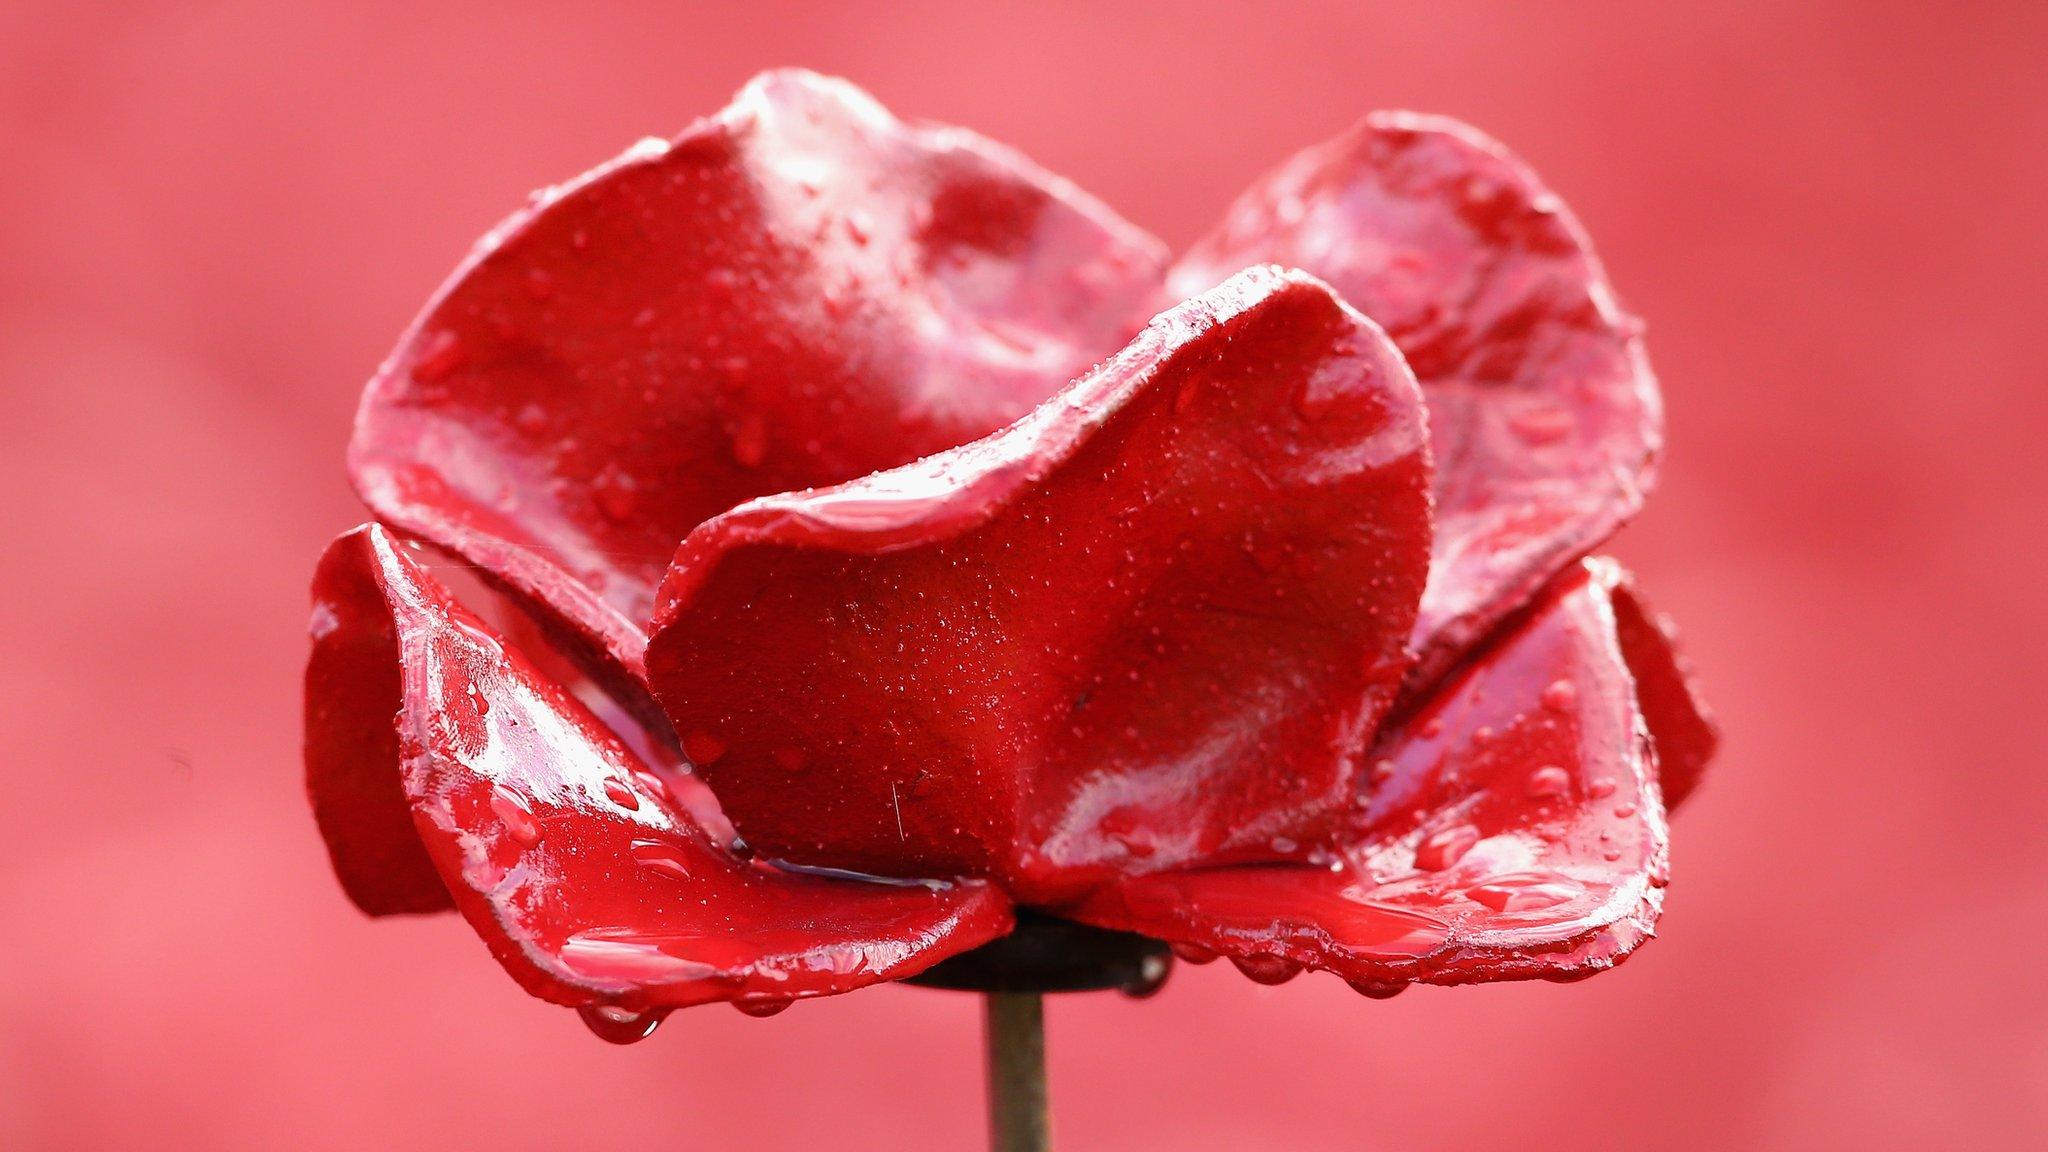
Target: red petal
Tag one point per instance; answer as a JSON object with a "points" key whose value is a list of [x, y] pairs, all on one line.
{"points": [[1513, 829], [1682, 729], [1147, 625], [564, 852], [797, 291], [1544, 416]]}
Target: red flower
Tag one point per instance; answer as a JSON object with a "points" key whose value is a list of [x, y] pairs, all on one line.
{"points": [[786, 431]]}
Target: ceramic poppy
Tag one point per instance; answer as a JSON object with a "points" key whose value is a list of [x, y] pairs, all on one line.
{"points": [[946, 554]]}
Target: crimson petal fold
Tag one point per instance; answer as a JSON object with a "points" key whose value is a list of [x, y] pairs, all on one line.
{"points": [[1544, 415], [561, 848], [1512, 828], [797, 291], [1146, 626]]}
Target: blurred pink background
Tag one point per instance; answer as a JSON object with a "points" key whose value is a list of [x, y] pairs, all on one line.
{"points": [[215, 219]]}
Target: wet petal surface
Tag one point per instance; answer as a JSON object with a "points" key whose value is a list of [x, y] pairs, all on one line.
{"points": [[567, 853], [797, 291], [1511, 829], [1544, 415], [1151, 624]]}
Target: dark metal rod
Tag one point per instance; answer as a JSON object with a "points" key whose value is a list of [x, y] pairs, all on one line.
{"points": [[1013, 1030]]}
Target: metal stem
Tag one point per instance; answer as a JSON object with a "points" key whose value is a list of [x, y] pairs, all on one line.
{"points": [[1013, 1032]]}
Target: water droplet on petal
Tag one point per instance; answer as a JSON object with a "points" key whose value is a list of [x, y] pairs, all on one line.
{"points": [[1560, 696], [1624, 811], [652, 784], [617, 495], [1537, 427], [512, 812], [750, 441], [1524, 893], [1445, 847], [1549, 782], [1193, 953], [764, 1006], [661, 857], [619, 1025], [1267, 969], [1377, 990], [1152, 973], [1600, 787], [622, 794], [703, 748]]}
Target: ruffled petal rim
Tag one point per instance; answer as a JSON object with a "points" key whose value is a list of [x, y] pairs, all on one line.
{"points": [[1544, 414], [797, 291]]}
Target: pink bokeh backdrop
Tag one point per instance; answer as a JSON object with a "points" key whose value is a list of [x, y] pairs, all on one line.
{"points": [[215, 218]]}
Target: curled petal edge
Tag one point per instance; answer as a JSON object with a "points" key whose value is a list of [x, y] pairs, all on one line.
{"points": [[563, 850]]}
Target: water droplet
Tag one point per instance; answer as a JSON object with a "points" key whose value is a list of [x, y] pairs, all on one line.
{"points": [[703, 748], [652, 784], [442, 355], [1600, 787], [750, 440], [1383, 771], [619, 1025], [1284, 846], [1377, 990], [858, 229], [622, 794], [617, 495], [1193, 953], [1560, 696], [512, 812], [1624, 810], [1267, 969], [763, 1007], [1445, 847], [1537, 427], [1524, 893], [1549, 782], [532, 419], [660, 856], [1152, 973], [1432, 728], [1482, 735]]}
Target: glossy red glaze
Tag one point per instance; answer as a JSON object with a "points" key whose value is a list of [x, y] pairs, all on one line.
{"points": [[797, 291], [1510, 829], [1121, 649], [559, 846], [1151, 625], [1544, 415]]}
